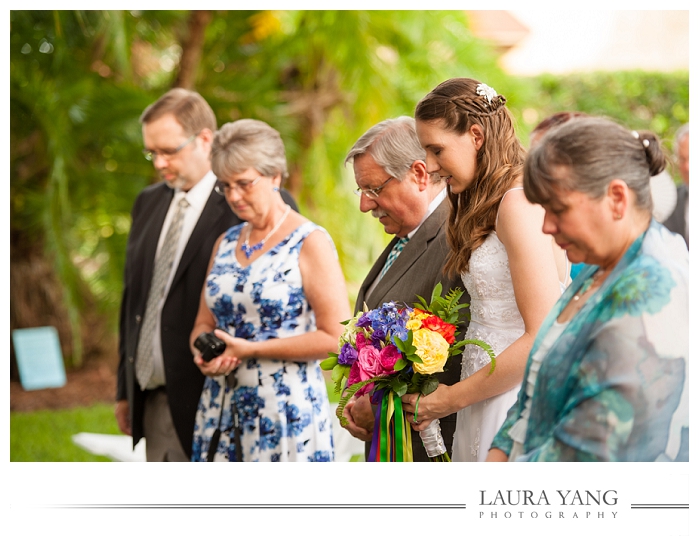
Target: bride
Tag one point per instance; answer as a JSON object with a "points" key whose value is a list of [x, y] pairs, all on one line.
{"points": [[512, 271]]}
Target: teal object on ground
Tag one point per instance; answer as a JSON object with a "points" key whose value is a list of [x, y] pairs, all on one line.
{"points": [[39, 358]]}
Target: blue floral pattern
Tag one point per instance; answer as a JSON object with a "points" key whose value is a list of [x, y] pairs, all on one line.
{"points": [[281, 407]]}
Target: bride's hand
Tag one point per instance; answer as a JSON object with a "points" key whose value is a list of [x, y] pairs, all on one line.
{"points": [[429, 407]]}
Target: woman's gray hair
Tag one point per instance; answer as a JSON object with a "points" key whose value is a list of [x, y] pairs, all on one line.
{"points": [[247, 143], [393, 144], [586, 154]]}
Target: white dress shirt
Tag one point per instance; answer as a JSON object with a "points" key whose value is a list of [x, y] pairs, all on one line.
{"points": [[197, 197], [436, 202]]}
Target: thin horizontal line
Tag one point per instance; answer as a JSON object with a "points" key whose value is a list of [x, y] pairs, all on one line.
{"points": [[659, 506], [256, 506]]}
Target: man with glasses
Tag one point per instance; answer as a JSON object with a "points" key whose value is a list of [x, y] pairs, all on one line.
{"points": [[394, 185], [174, 226]]}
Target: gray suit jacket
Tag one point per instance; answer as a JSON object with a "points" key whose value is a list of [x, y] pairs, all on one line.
{"points": [[416, 271], [677, 221]]}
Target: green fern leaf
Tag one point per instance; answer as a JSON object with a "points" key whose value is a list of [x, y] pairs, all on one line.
{"points": [[485, 347], [351, 391]]}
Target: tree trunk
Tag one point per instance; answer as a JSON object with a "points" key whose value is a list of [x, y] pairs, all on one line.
{"points": [[311, 105], [37, 300], [192, 48]]}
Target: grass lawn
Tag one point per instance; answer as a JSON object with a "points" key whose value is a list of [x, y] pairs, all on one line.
{"points": [[45, 435]]}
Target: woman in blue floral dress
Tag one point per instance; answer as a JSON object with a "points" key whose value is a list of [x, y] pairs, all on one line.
{"points": [[275, 294], [607, 376]]}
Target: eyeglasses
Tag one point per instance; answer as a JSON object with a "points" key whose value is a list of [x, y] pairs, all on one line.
{"points": [[372, 193], [150, 155], [242, 186]]}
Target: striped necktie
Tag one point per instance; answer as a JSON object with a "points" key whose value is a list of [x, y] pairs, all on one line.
{"points": [[161, 274], [391, 258]]}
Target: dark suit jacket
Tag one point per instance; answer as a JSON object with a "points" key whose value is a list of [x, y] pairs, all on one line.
{"points": [[184, 381], [416, 271], [677, 221]]}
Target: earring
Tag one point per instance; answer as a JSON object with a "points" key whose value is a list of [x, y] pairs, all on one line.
{"points": [[617, 217], [275, 188]]}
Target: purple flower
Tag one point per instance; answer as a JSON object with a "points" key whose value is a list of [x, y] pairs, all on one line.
{"points": [[348, 355], [364, 320], [379, 335]]}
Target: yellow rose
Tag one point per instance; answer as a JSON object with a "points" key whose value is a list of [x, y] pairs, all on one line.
{"points": [[413, 324], [418, 314], [432, 348], [415, 321]]}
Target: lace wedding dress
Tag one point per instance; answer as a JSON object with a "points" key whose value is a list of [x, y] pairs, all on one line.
{"points": [[495, 319]]}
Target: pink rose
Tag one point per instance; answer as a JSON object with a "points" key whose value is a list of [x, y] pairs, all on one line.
{"points": [[388, 357], [355, 374], [369, 361], [360, 340], [367, 365]]}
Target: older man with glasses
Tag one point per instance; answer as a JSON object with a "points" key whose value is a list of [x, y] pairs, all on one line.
{"points": [[174, 226], [678, 221], [394, 185]]}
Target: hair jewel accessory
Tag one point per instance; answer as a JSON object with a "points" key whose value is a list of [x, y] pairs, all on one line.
{"points": [[486, 91], [644, 142]]}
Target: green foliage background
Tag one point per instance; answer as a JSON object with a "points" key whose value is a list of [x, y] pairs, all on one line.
{"points": [[80, 79], [654, 101]]}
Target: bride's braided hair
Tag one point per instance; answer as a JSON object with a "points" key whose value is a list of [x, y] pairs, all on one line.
{"points": [[478, 105], [499, 161]]}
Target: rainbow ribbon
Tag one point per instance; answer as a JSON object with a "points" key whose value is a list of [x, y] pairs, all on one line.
{"points": [[392, 432]]}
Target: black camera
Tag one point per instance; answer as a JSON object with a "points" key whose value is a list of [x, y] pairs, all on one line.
{"points": [[209, 345]]}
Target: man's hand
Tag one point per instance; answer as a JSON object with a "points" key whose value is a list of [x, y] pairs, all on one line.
{"points": [[360, 416], [121, 412]]}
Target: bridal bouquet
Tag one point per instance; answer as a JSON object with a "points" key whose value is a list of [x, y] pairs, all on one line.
{"points": [[394, 350]]}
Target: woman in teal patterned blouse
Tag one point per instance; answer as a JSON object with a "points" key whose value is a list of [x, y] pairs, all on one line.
{"points": [[607, 377]]}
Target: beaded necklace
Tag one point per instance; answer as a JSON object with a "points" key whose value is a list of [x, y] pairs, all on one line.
{"points": [[246, 244]]}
